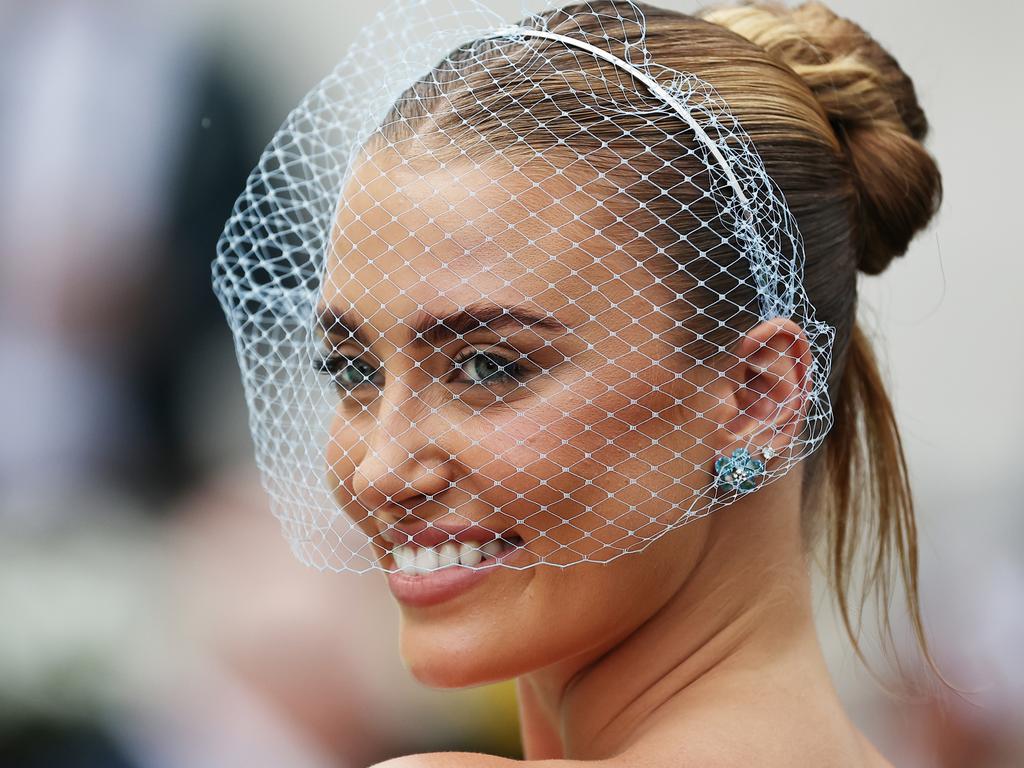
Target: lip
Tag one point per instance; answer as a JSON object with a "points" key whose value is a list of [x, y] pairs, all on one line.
{"points": [[421, 590]]}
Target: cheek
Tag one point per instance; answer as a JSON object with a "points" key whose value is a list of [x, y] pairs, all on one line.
{"points": [[597, 470], [343, 452]]}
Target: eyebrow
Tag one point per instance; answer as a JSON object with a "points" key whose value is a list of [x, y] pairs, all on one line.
{"points": [[432, 329]]}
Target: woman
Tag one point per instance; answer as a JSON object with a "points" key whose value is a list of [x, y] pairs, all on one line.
{"points": [[590, 278]]}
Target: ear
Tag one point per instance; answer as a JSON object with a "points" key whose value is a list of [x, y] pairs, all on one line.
{"points": [[763, 390]]}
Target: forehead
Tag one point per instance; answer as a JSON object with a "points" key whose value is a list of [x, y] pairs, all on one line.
{"points": [[414, 234]]}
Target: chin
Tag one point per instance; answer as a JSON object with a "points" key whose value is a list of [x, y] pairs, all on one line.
{"points": [[453, 654], [508, 623], [505, 626]]}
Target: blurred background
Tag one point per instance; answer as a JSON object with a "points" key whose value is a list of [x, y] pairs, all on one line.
{"points": [[151, 616]]}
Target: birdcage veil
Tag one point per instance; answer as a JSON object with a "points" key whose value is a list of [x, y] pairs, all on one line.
{"points": [[475, 280]]}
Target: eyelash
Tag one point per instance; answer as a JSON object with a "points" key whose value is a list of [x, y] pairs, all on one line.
{"points": [[336, 365], [507, 370]]}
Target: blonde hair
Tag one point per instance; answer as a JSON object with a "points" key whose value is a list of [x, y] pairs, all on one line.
{"points": [[837, 125], [891, 187]]}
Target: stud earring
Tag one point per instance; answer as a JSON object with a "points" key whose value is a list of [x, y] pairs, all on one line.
{"points": [[740, 472]]}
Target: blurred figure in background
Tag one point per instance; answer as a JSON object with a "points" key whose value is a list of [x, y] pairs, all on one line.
{"points": [[120, 141], [150, 614]]}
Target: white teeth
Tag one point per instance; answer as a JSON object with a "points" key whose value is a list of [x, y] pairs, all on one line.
{"points": [[426, 560], [469, 554], [492, 548], [405, 558], [415, 560], [448, 554]]}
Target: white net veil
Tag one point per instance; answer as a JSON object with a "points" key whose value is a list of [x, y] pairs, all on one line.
{"points": [[488, 285]]}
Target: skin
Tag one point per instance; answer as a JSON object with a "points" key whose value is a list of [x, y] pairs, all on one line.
{"points": [[700, 650]]}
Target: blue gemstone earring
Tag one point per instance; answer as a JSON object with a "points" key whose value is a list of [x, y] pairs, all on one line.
{"points": [[740, 472]]}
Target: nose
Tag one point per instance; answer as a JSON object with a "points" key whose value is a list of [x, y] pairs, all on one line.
{"points": [[404, 463]]}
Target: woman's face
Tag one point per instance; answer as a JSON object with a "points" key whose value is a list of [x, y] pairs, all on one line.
{"points": [[510, 389]]}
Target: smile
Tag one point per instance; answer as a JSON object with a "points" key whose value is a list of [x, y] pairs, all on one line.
{"points": [[436, 562], [410, 558]]}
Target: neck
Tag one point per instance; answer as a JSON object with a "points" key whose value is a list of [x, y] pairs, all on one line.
{"points": [[745, 604]]}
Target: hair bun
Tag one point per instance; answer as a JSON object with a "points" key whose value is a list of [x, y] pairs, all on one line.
{"points": [[870, 102]]}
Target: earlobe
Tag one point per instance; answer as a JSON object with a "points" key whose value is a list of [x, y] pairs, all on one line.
{"points": [[764, 391]]}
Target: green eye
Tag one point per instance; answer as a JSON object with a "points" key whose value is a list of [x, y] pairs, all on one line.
{"points": [[350, 372], [490, 370]]}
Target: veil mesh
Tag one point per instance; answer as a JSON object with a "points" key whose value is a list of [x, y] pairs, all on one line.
{"points": [[487, 286]]}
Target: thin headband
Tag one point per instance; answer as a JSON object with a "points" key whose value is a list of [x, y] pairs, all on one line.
{"points": [[653, 85]]}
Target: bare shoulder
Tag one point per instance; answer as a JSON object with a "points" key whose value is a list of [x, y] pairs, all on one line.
{"points": [[446, 760], [471, 760]]}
